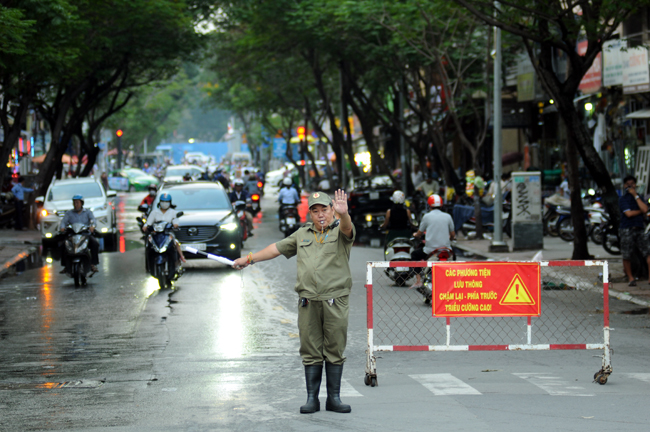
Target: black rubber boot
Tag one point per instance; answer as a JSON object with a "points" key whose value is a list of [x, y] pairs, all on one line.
{"points": [[334, 374], [313, 375]]}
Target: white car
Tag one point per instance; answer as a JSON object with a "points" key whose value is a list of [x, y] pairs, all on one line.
{"points": [[175, 173], [59, 200]]}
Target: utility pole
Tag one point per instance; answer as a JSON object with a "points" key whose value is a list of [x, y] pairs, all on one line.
{"points": [[119, 134], [343, 173], [402, 141], [497, 245]]}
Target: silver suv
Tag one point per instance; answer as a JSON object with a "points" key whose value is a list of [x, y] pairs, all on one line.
{"points": [[59, 200]]}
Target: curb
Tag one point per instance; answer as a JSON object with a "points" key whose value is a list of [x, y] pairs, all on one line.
{"points": [[17, 258]]}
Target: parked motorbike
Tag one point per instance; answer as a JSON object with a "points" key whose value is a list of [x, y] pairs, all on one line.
{"points": [[550, 220], [469, 226], [610, 238], [289, 219], [159, 241], [78, 257], [240, 209], [564, 224], [398, 249]]}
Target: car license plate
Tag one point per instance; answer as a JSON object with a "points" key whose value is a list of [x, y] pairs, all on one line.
{"points": [[401, 269], [291, 221], [374, 195], [198, 246]]}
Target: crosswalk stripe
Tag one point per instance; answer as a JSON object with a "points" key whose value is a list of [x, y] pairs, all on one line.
{"points": [[445, 384], [640, 376], [553, 385]]}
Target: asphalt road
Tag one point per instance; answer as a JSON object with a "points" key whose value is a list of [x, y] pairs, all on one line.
{"points": [[220, 353]]}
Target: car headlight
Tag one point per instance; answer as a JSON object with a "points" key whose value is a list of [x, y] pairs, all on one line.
{"points": [[229, 226], [44, 213]]}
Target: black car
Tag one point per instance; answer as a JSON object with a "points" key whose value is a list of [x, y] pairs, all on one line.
{"points": [[368, 200], [209, 222]]}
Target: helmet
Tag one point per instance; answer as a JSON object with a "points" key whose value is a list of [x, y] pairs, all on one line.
{"points": [[78, 197], [166, 197], [287, 181], [238, 182], [398, 197], [434, 201]]}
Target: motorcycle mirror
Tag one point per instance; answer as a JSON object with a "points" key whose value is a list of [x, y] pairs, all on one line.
{"points": [[179, 214], [143, 208]]}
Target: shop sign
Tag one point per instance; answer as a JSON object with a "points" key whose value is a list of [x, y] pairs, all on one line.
{"points": [[591, 81], [636, 75], [613, 58]]}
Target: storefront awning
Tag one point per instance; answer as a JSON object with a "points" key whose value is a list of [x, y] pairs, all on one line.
{"points": [[640, 114]]}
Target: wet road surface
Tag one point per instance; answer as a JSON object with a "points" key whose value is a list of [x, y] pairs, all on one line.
{"points": [[220, 353]]}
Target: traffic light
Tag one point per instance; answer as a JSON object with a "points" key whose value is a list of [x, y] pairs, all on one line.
{"points": [[301, 132], [540, 114], [119, 133]]}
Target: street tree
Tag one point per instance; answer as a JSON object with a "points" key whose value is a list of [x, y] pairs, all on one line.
{"points": [[544, 28]]}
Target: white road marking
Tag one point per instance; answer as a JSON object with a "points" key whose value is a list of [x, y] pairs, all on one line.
{"points": [[445, 384], [640, 376], [553, 385]]}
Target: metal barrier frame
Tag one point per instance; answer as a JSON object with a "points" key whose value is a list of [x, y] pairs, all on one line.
{"points": [[371, 361]]}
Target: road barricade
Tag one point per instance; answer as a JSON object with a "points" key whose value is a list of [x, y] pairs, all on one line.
{"points": [[488, 306]]}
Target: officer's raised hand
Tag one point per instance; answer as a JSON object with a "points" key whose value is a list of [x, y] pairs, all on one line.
{"points": [[340, 202]]}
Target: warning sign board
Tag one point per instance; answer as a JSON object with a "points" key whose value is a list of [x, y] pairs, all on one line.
{"points": [[486, 289]]}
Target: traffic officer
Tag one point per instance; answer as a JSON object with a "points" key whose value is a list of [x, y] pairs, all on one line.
{"points": [[19, 202], [322, 248]]}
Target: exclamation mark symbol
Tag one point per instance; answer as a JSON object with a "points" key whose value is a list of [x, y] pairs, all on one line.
{"points": [[517, 291]]}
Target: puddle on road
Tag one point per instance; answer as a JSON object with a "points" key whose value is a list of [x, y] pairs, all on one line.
{"points": [[78, 384]]}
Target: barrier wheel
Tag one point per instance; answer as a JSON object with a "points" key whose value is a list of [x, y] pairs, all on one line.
{"points": [[601, 379], [366, 380], [373, 382]]}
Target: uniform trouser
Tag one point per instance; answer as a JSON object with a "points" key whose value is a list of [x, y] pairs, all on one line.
{"points": [[323, 331]]}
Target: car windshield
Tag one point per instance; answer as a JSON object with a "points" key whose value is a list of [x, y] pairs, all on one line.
{"points": [[67, 191], [181, 171], [198, 199], [134, 172], [373, 182]]}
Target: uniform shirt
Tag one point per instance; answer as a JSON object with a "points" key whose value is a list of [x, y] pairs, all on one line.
{"points": [[85, 217], [625, 203], [288, 195], [429, 188], [323, 268], [19, 191], [157, 215], [437, 225]]}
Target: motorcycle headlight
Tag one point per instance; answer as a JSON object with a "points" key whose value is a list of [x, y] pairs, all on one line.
{"points": [[368, 218], [229, 226]]}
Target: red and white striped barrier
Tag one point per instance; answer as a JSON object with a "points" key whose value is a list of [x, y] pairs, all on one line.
{"points": [[586, 287]]}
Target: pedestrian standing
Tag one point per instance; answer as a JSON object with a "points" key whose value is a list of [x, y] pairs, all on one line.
{"points": [[19, 202], [633, 210], [324, 280]]}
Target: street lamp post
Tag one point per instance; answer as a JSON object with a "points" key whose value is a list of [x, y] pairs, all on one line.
{"points": [[497, 245]]}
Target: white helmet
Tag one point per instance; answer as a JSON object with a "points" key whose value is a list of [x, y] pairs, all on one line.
{"points": [[398, 197], [287, 181], [238, 182]]}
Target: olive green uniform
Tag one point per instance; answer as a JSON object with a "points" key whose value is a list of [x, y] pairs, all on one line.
{"points": [[324, 279]]}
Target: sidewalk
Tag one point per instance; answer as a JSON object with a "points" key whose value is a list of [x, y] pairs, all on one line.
{"points": [[16, 247], [557, 249]]}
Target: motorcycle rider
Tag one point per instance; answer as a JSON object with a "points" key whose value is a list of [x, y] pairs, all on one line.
{"points": [[151, 196], [287, 195], [80, 215], [239, 194], [166, 213], [439, 229], [397, 219]]}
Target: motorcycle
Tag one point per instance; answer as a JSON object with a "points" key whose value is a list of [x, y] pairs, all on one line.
{"points": [[240, 209], [255, 207], [442, 253], [398, 249], [610, 239], [159, 241], [289, 219], [564, 224], [78, 257], [506, 220]]}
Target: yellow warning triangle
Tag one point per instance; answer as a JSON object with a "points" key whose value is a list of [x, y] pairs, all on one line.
{"points": [[517, 293]]}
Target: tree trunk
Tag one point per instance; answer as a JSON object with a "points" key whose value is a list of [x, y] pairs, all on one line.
{"points": [[580, 249]]}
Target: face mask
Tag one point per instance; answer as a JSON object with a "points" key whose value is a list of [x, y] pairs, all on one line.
{"points": [[152, 193], [165, 205]]}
